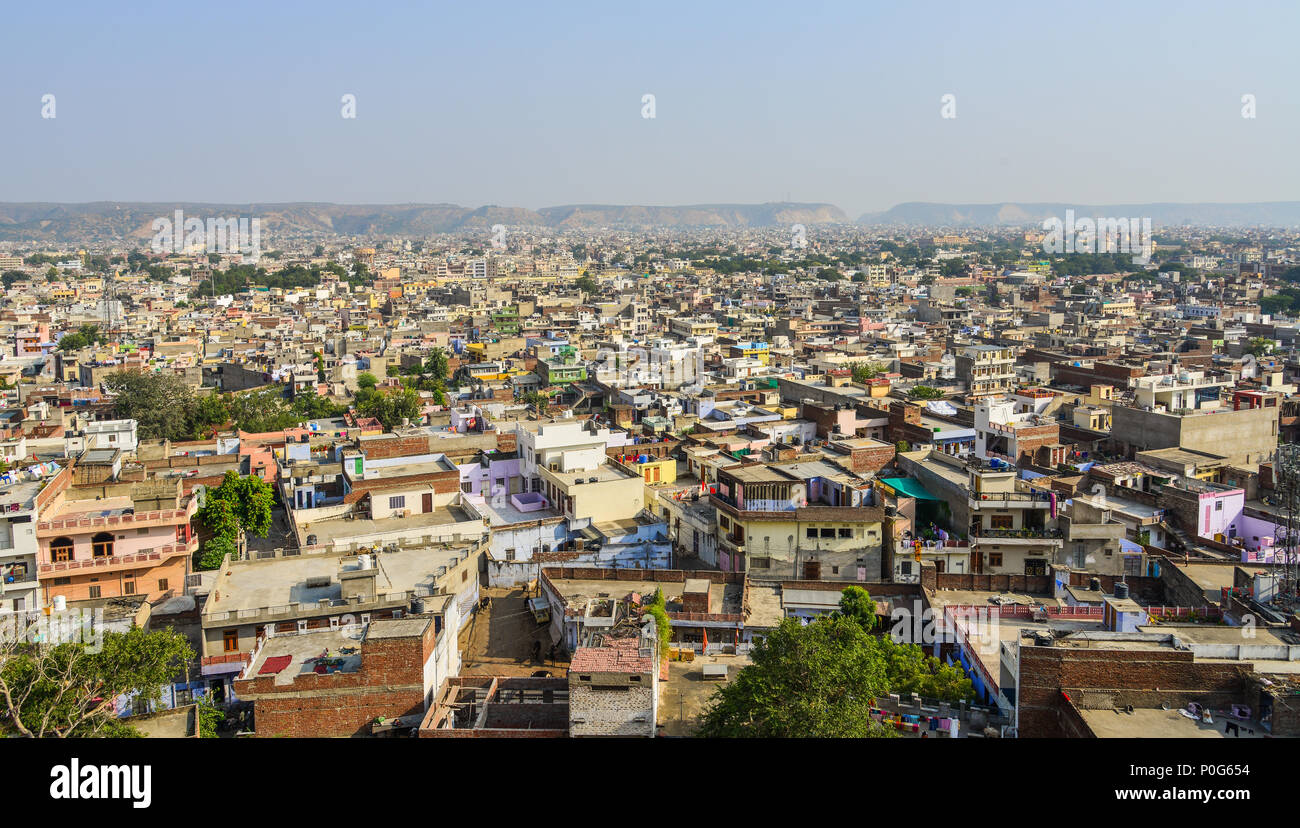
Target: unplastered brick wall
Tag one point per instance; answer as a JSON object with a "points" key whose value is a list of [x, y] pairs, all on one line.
{"points": [[390, 683], [1142, 678], [333, 714], [611, 711]]}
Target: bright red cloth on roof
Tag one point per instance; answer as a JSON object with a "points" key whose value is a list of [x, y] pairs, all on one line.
{"points": [[274, 664]]}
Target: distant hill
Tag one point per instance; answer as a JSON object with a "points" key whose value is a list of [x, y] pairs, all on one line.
{"points": [[925, 214], [133, 220]]}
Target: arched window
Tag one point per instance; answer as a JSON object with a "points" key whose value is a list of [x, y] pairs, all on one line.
{"points": [[311, 540], [101, 546], [61, 550]]}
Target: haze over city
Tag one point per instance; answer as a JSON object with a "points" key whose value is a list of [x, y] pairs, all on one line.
{"points": [[530, 105]]}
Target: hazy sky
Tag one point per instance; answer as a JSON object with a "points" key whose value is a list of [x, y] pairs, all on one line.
{"points": [[537, 104]]}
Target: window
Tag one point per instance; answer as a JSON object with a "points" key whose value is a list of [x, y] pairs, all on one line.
{"points": [[128, 587], [397, 502], [510, 554], [828, 533], [61, 550], [846, 533], [142, 531], [812, 533], [995, 559], [835, 570], [761, 563], [1218, 505], [162, 584], [464, 575], [1000, 521], [62, 581], [230, 640], [101, 546], [94, 591]]}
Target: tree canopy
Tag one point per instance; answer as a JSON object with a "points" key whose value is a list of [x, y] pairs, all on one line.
{"points": [[67, 689], [820, 680]]}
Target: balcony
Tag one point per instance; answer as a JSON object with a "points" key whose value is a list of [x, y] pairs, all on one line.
{"points": [[1017, 537], [112, 562], [1009, 500], [80, 523]]}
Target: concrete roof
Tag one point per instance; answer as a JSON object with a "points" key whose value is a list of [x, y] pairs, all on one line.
{"points": [[281, 581]]}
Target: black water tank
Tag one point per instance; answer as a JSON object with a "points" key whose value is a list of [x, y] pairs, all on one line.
{"points": [[417, 606], [1095, 585], [1121, 590]]}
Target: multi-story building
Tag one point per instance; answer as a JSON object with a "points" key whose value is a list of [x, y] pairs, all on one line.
{"points": [[19, 507], [797, 520], [987, 369], [103, 537], [1013, 527]]}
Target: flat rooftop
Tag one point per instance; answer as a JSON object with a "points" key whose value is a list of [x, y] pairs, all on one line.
{"points": [[576, 594], [1209, 577], [339, 649], [501, 512], [603, 474], [1150, 723], [281, 581], [338, 529]]}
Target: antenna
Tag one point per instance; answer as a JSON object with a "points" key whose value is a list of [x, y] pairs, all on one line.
{"points": [[1286, 470]]}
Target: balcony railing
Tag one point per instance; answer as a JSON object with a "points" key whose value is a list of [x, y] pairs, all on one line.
{"points": [[1014, 534], [1011, 497], [76, 523], [152, 555]]}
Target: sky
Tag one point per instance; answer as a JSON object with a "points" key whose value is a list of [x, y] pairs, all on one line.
{"points": [[541, 104]]}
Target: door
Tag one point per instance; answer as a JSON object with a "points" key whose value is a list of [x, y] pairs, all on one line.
{"points": [[812, 570], [426, 502], [977, 561]]}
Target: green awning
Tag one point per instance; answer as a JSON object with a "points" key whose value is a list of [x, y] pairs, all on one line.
{"points": [[907, 487]]}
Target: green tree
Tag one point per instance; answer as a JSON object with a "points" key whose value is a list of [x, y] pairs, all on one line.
{"points": [[658, 610], [391, 408], [909, 669], [83, 337], [926, 392], [814, 681], [864, 371], [246, 499], [207, 413], [159, 402], [1260, 346], [435, 365], [537, 400], [216, 548], [856, 604], [366, 380], [69, 689], [314, 407], [586, 284], [211, 718], [264, 410]]}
